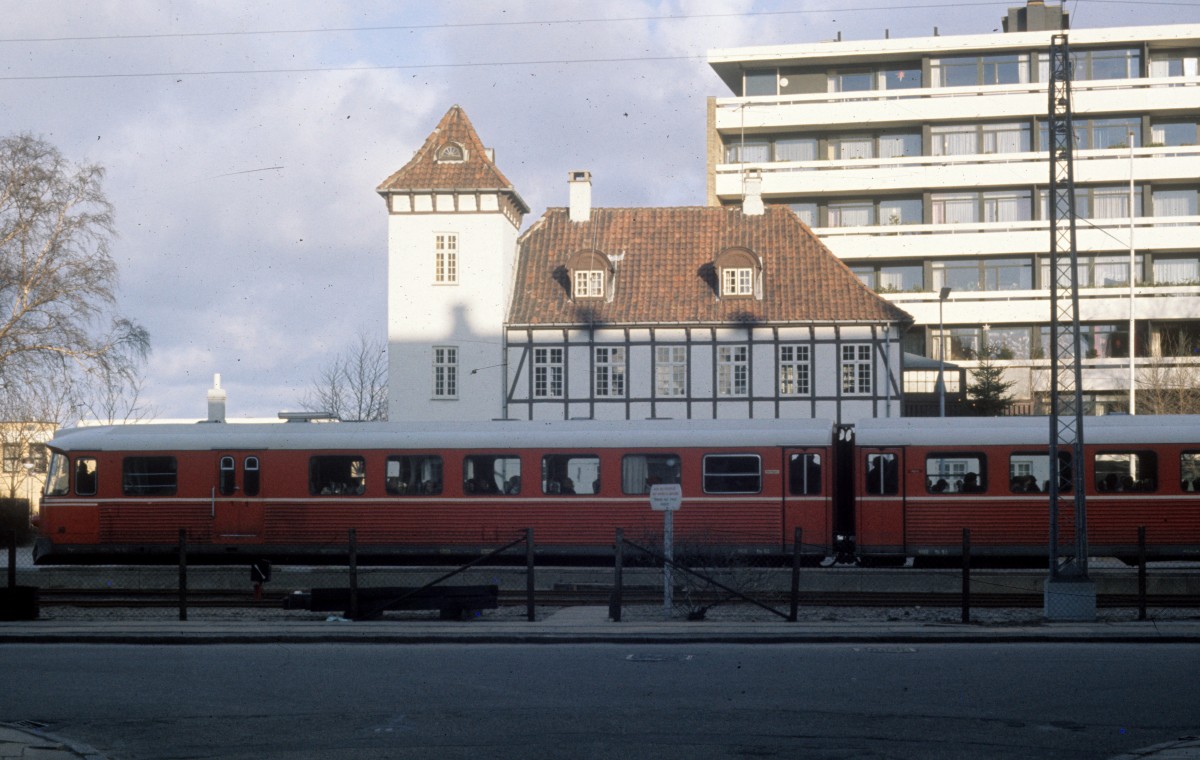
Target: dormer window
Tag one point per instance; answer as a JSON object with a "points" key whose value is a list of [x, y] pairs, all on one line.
{"points": [[739, 273], [737, 281], [589, 283], [451, 152], [591, 274]]}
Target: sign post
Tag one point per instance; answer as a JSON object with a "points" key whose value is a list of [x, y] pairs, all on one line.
{"points": [[666, 498]]}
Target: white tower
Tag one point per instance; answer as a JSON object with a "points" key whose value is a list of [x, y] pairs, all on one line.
{"points": [[453, 220]]}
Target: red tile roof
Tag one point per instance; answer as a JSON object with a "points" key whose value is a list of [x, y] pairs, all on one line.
{"points": [[477, 172], [667, 273]]}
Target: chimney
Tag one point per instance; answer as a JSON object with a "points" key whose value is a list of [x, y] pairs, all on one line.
{"points": [[752, 202], [216, 401], [580, 186]]}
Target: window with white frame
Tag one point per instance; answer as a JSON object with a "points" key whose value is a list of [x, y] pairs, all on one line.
{"points": [[737, 281], [856, 369], [445, 258], [609, 377], [733, 370], [670, 370], [547, 372], [445, 372], [589, 283], [794, 370]]}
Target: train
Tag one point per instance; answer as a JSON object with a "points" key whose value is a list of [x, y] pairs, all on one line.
{"points": [[881, 490]]}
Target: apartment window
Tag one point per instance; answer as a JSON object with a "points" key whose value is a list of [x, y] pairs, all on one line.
{"points": [[968, 71], [1006, 206], [760, 150], [794, 372], [754, 152], [12, 457], [853, 147], [1009, 342], [1173, 64], [901, 77], [851, 214], [1174, 202], [1097, 340], [1174, 133], [670, 370], [609, 372], [956, 343], [1113, 203], [1006, 138], [547, 372], [1007, 274], [760, 82], [733, 370], [1111, 64], [954, 140], [589, 283], [853, 81], [954, 208], [895, 145], [891, 278], [806, 211], [900, 211], [737, 281], [795, 149], [1176, 271], [445, 372], [445, 258], [856, 369]]}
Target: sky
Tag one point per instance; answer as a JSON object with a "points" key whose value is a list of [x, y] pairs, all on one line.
{"points": [[243, 142]]}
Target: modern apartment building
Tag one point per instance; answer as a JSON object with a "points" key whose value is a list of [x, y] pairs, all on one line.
{"points": [[923, 164]]}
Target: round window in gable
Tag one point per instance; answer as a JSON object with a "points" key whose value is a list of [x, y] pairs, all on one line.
{"points": [[451, 152]]}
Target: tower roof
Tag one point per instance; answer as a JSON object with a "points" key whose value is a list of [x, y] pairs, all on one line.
{"points": [[452, 158]]}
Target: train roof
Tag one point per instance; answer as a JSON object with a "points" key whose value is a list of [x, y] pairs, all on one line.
{"points": [[582, 434], [1032, 431]]}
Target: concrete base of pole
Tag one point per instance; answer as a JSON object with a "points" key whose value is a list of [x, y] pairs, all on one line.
{"points": [[1069, 599]]}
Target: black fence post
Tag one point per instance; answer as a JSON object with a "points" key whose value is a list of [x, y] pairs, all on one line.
{"points": [[529, 584], [614, 604], [183, 612], [12, 558], [353, 574], [796, 547], [966, 575], [1142, 572]]}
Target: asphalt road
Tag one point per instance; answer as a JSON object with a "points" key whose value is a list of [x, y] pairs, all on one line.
{"points": [[605, 701]]}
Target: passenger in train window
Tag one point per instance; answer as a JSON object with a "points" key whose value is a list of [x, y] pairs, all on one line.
{"points": [[970, 483]]}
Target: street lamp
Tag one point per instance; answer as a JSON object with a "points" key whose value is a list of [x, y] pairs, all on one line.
{"points": [[27, 463], [941, 381]]}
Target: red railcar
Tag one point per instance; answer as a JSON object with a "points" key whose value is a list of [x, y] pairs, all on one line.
{"points": [[919, 482], [292, 491]]}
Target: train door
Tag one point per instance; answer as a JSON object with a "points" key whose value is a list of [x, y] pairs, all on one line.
{"points": [[807, 499], [878, 486], [237, 510]]}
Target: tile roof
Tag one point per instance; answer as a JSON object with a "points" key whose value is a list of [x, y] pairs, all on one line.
{"points": [[667, 273], [477, 172]]}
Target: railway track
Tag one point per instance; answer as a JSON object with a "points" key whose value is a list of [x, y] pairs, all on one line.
{"points": [[142, 598]]}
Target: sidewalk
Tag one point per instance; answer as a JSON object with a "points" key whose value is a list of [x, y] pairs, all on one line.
{"points": [[574, 625]]}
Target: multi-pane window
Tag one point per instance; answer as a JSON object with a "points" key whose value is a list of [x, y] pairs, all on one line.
{"points": [[762, 150], [891, 278], [804, 474], [609, 371], [1173, 64], [1175, 202], [882, 476], [761, 82], [445, 257], [856, 369], [548, 372], [983, 274], [968, 71], [12, 457], [1098, 64], [971, 139], [852, 213], [733, 370], [1173, 133], [670, 370], [445, 372], [794, 370], [1176, 270], [988, 206], [737, 281], [589, 283], [732, 473]]}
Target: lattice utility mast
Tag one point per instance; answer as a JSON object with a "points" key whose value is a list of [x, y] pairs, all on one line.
{"points": [[1066, 391]]}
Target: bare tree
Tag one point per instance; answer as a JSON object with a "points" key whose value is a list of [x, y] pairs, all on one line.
{"points": [[1170, 383], [57, 278], [354, 385]]}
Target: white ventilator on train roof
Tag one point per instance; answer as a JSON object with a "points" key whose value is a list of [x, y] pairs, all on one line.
{"points": [[1030, 431], [593, 434]]}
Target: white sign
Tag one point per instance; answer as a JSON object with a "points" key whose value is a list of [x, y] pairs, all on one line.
{"points": [[666, 497]]}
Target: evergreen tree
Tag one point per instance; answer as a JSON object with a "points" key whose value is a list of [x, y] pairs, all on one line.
{"points": [[987, 388]]}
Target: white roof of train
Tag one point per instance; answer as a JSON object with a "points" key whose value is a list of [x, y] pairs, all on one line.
{"points": [[1032, 431], [583, 434]]}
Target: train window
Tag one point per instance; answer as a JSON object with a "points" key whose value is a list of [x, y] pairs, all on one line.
{"points": [[1126, 471], [58, 481], [251, 477], [571, 474], [1189, 471], [414, 475], [881, 475], [955, 472], [341, 474], [148, 476], [804, 474], [1029, 472], [228, 479], [732, 473], [85, 476], [640, 471], [492, 474]]}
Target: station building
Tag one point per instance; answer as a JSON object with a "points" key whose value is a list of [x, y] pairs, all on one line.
{"points": [[922, 164], [618, 313]]}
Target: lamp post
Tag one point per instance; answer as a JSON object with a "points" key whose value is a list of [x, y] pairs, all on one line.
{"points": [[941, 381], [27, 463]]}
